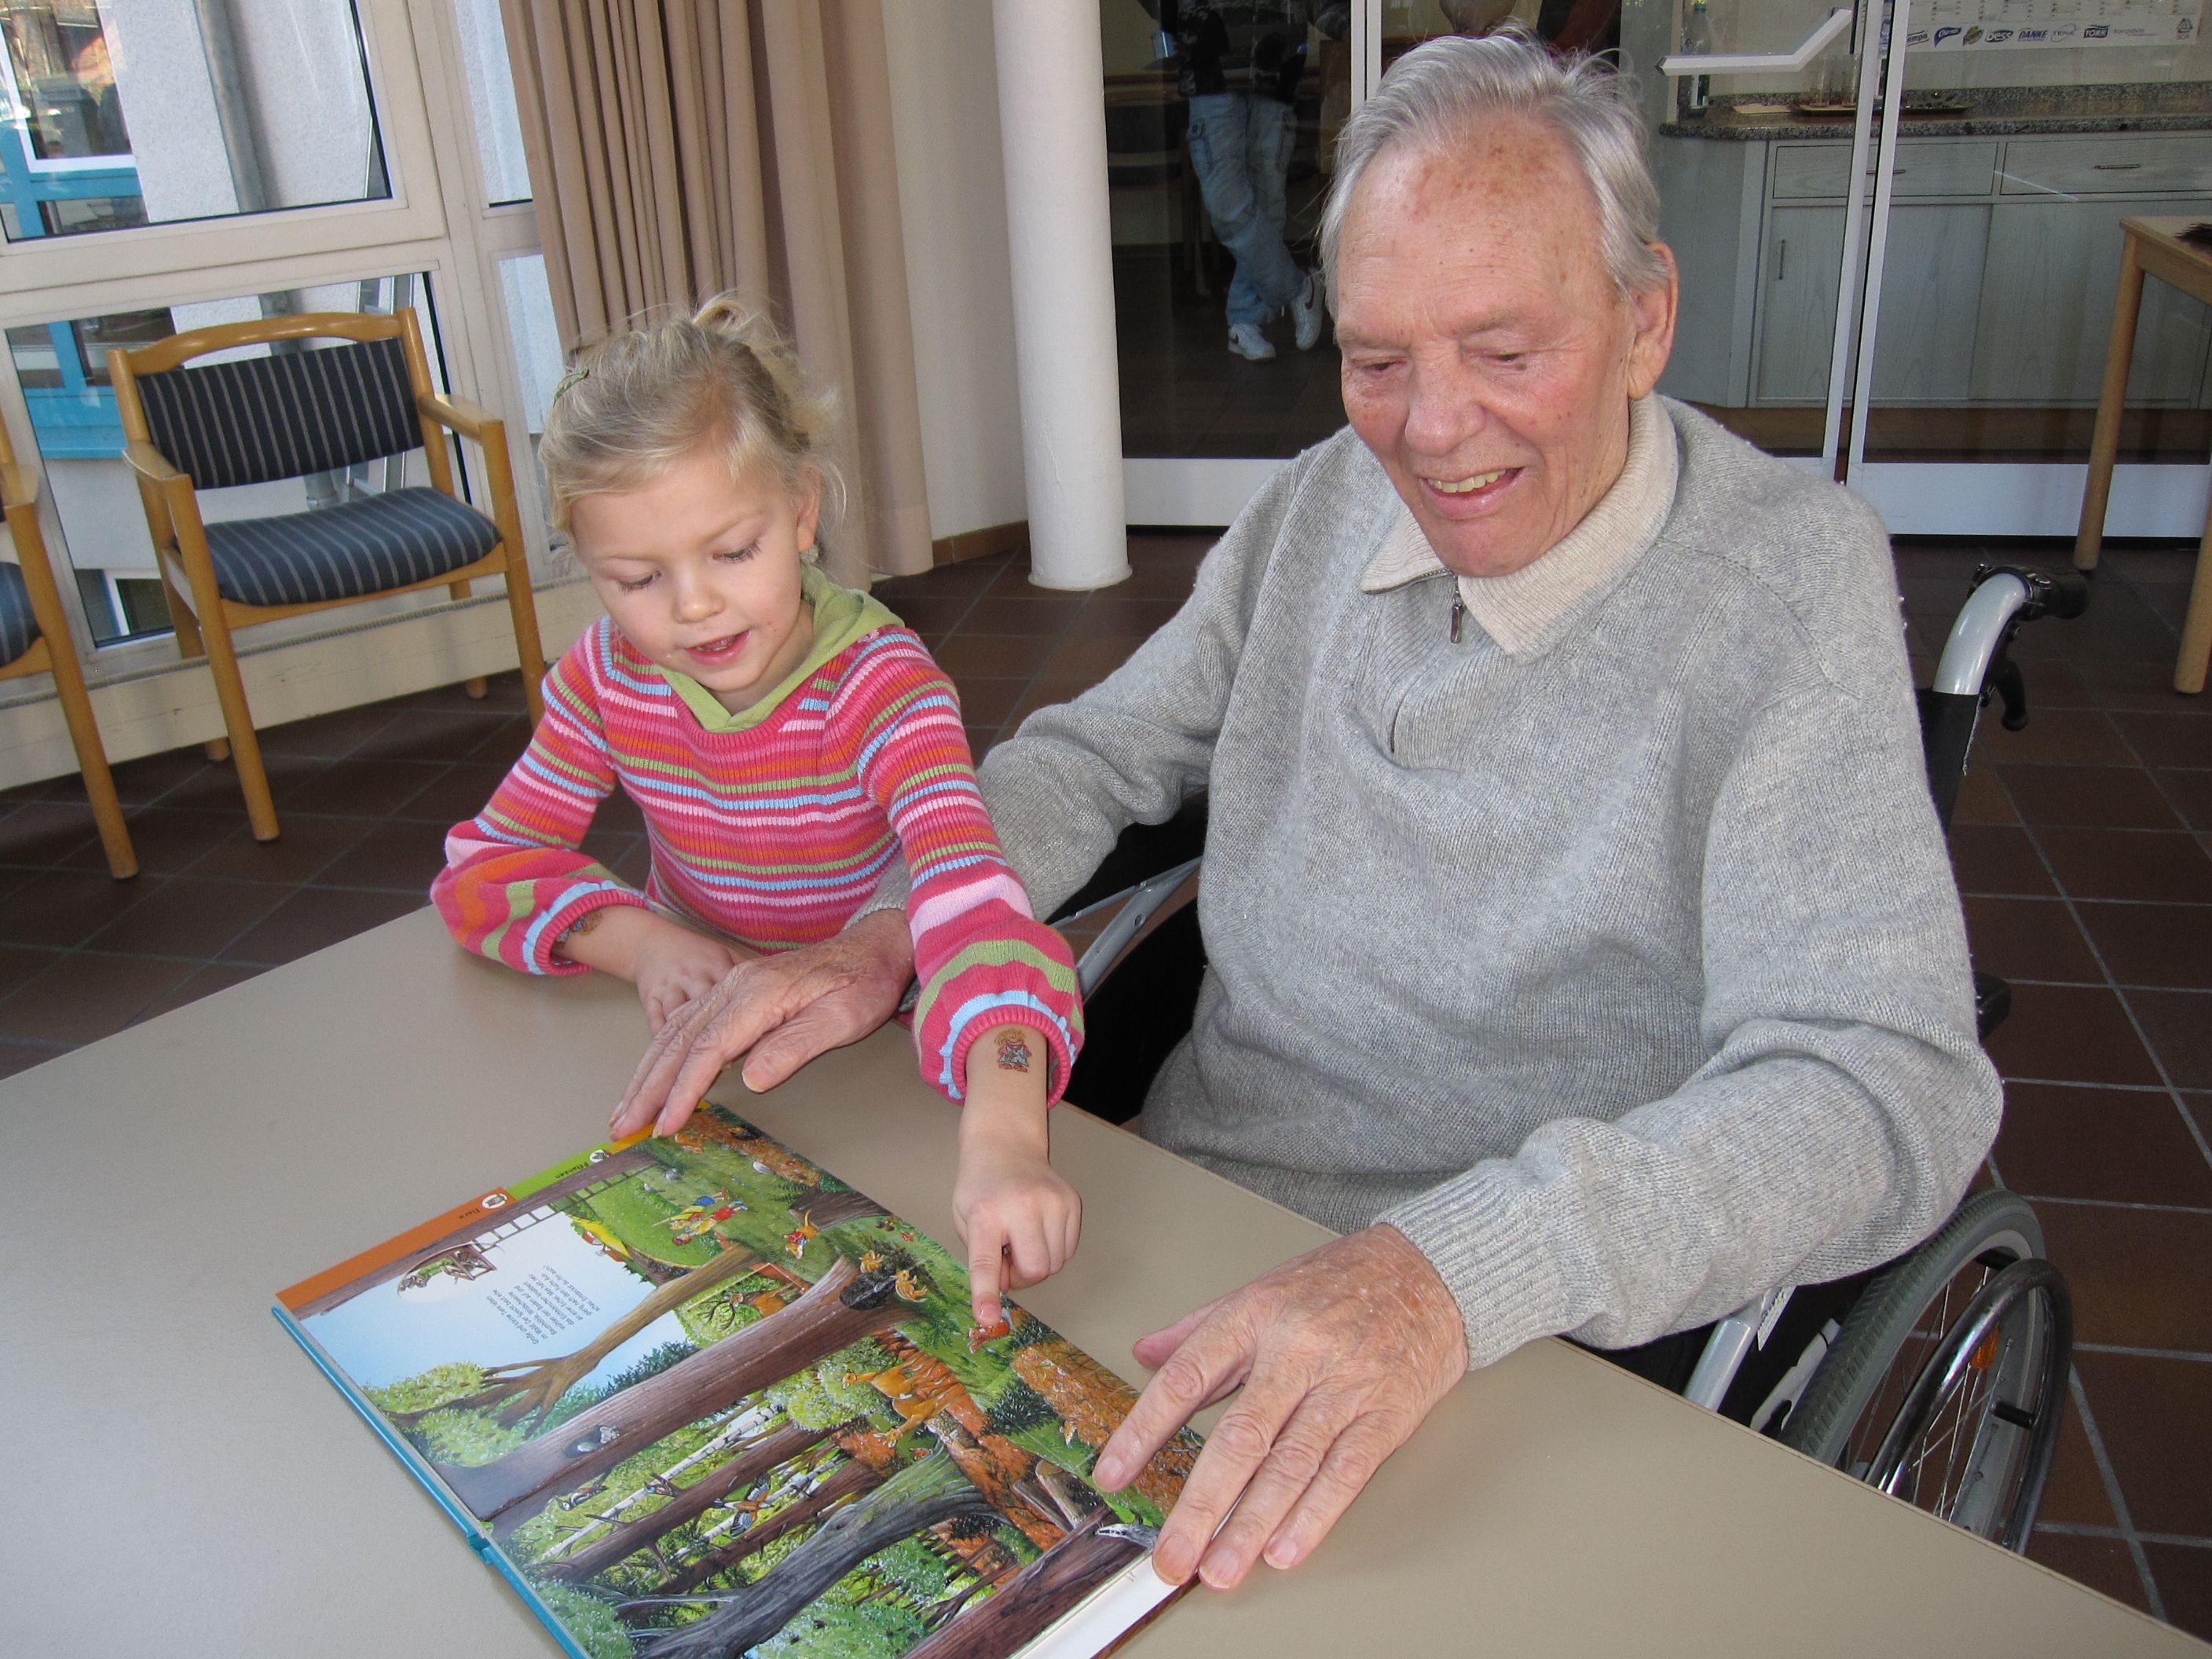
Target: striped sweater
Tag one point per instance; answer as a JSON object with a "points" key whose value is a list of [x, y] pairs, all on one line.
{"points": [[772, 829]]}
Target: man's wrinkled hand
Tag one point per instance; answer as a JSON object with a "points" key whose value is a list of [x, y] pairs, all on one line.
{"points": [[1337, 1357], [779, 1011]]}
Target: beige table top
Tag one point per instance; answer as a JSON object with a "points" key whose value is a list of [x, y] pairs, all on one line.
{"points": [[2160, 250], [181, 1481]]}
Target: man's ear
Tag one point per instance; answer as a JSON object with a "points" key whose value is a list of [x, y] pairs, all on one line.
{"points": [[1653, 312]]}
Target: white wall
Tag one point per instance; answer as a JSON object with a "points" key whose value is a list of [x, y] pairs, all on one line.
{"points": [[945, 117]]}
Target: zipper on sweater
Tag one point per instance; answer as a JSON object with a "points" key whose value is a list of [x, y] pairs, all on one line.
{"points": [[1458, 612]]}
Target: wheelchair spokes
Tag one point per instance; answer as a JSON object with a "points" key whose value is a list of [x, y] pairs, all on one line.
{"points": [[1946, 1385]]}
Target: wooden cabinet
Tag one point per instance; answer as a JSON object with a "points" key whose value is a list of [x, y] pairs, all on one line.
{"points": [[1797, 304], [2046, 312], [1926, 340], [2001, 264], [1931, 298]]}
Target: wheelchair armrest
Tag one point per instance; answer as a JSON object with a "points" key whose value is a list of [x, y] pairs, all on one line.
{"points": [[1144, 850]]}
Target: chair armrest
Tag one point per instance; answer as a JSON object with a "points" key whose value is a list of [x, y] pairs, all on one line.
{"points": [[150, 463], [19, 486], [470, 420]]}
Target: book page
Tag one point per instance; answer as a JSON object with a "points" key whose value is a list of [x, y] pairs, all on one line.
{"points": [[707, 1399]]}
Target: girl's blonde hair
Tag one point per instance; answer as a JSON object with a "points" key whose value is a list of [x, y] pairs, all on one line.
{"points": [[639, 401]]}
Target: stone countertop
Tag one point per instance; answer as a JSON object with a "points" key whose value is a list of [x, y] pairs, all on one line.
{"points": [[2156, 106]]}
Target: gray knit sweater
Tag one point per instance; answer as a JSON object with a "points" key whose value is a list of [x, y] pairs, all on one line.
{"points": [[1618, 963]]}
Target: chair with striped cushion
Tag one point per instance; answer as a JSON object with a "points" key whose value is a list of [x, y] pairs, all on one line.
{"points": [[291, 413], [34, 639]]}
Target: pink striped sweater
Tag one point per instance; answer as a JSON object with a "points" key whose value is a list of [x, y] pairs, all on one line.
{"points": [[773, 829]]}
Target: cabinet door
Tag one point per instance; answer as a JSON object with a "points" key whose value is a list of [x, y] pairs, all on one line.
{"points": [[1798, 274], [1931, 293], [2047, 308]]}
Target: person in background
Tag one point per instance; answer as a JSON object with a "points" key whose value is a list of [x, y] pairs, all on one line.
{"points": [[1238, 65], [784, 738]]}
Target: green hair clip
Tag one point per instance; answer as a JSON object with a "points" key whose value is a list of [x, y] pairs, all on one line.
{"points": [[569, 380]]}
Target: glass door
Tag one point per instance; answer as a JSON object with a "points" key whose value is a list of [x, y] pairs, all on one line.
{"points": [[2027, 134], [1221, 120]]}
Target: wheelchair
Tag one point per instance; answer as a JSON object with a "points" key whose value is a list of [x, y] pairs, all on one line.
{"points": [[1940, 1378]]}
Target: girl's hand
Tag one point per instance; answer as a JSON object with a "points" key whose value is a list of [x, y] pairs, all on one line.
{"points": [[1019, 1220], [672, 965], [668, 963]]}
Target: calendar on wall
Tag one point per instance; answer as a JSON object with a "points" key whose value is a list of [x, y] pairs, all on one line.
{"points": [[1953, 24]]}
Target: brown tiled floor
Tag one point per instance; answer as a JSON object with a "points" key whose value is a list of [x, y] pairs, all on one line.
{"points": [[1184, 392], [2083, 847]]}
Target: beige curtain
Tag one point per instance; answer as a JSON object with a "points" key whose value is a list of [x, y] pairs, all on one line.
{"points": [[680, 146]]}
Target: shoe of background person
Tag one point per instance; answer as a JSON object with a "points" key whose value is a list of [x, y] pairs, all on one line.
{"points": [[1247, 343], [1306, 312]]}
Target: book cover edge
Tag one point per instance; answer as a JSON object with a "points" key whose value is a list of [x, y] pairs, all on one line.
{"points": [[472, 1534]]}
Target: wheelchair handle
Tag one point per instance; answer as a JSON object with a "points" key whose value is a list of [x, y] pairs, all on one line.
{"points": [[2003, 596]]}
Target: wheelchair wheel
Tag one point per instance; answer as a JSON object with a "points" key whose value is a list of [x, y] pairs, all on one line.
{"points": [[1947, 1381]]}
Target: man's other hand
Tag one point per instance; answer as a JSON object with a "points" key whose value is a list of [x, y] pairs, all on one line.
{"points": [[779, 1011], [1339, 1355]]}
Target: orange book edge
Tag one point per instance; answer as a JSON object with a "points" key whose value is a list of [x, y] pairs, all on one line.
{"points": [[484, 1206]]}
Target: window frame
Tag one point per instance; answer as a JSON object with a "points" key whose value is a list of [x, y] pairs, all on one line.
{"points": [[437, 223]]}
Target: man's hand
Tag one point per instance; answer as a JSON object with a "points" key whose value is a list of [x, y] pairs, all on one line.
{"points": [[1340, 1355], [785, 1009]]}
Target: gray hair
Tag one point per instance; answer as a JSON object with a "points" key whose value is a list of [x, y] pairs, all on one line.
{"points": [[1440, 94]]}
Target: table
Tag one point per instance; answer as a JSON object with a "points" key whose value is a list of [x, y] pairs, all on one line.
{"points": [[182, 1481], [2155, 247]]}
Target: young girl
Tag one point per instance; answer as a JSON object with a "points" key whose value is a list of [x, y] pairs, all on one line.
{"points": [[782, 736]]}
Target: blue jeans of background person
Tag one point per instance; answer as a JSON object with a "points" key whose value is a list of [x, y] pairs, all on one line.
{"points": [[1241, 147]]}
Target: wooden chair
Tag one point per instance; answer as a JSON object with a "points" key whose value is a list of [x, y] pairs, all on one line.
{"points": [[34, 639], [287, 414]]}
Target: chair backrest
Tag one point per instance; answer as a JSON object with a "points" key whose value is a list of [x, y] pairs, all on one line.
{"points": [[285, 415], [282, 416]]}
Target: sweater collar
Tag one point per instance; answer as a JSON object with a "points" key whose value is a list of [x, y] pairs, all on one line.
{"points": [[1523, 610], [841, 617]]}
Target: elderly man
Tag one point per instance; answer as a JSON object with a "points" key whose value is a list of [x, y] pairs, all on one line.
{"points": [[1582, 941]]}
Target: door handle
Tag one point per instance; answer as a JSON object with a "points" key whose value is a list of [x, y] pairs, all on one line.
{"points": [[2114, 167], [1781, 258]]}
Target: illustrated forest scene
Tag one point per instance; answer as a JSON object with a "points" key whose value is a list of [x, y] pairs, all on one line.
{"points": [[713, 1401]]}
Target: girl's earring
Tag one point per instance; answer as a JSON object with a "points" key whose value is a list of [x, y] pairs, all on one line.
{"points": [[810, 554]]}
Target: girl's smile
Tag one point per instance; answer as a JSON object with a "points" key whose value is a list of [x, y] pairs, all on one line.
{"points": [[700, 569]]}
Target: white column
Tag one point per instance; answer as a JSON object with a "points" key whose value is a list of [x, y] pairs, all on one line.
{"points": [[1052, 117]]}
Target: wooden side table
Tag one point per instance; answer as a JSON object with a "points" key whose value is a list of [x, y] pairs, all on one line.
{"points": [[2152, 246]]}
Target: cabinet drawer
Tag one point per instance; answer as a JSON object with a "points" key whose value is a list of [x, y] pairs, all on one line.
{"points": [[1925, 166], [2109, 167]]}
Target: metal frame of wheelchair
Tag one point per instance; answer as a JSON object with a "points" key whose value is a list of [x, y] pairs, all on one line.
{"points": [[1940, 1378]]}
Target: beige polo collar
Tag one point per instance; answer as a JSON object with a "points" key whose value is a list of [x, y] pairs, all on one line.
{"points": [[1520, 610]]}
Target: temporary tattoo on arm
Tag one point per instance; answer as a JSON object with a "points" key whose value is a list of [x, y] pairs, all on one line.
{"points": [[1014, 1052]]}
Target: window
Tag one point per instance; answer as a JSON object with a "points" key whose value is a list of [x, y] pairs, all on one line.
{"points": [[237, 158], [491, 102], [117, 117]]}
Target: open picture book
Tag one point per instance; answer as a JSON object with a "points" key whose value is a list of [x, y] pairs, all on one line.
{"points": [[697, 1396]]}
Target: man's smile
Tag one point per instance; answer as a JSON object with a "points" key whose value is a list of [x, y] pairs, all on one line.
{"points": [[1474, 495], [1467, 485]]}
